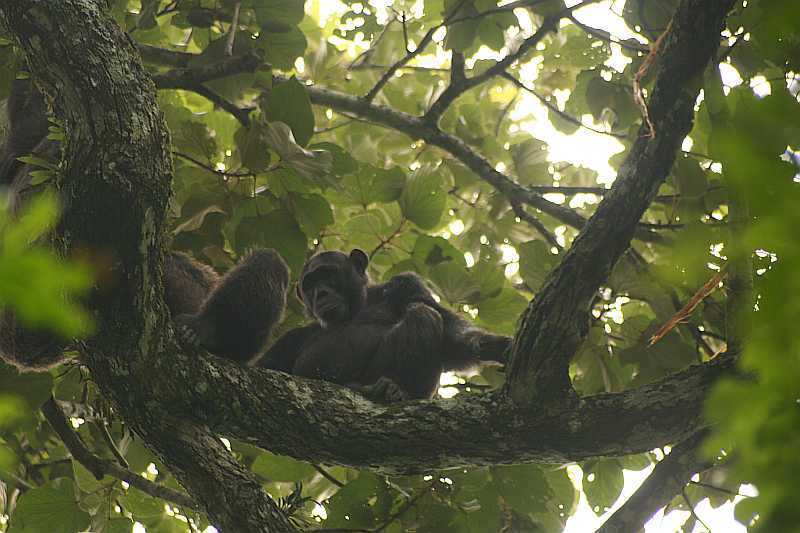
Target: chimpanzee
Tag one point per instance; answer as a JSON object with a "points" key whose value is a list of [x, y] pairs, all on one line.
{"points": [[390, 341]]}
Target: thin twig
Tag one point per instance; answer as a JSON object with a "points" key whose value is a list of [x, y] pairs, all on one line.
{"points": [[232, 29], [327, 475], [682, 314], [209, 168], [239, 113], [554, 108], [100, 467], [691, 510], [410, 54], [536, 224]]}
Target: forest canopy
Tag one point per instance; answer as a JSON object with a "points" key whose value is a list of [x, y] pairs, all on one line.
{"points": [[612, 183]]}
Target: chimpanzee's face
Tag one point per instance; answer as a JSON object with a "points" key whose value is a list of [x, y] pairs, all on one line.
{"points": [[333, 286]]}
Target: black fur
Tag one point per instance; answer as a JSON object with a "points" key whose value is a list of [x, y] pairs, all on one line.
{"points": [[27, 127], [390, 341], [237, 317]]}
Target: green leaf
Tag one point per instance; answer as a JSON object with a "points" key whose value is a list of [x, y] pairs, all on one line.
{"points": [[602, 484], [253, 147], [277, 229], [281, 468], [530, 162], [535, 262], [423, 199], [370, 184], [288, 102], [51, 507], [359, 504], [281, 49], [311, 164], [288, 12], [503, 309], [455, 282], [524, 487], [312, 212]]}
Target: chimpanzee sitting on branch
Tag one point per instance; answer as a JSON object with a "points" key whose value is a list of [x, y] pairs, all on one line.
{"points": [[390, 341]]}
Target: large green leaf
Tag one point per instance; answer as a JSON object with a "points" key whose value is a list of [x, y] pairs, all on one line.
{"points": [[51, 507], [288, 103], [602, 483], [423, 199]]}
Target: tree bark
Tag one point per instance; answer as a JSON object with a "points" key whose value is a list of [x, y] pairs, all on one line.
{"points": [[115, 184]]}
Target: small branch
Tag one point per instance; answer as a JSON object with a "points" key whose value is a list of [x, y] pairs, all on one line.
{"points": [[109, 440], [536, 224], [719, 489], [410, 54], [388, 239], [603, 35], [384, 79], [361, 60], [690, 505], [188, 78], [327, 475], [232, 29], [161, 56], [668, 479], [101, 467], [214, 170], [454, 90], [554, 108], [240, 114]]}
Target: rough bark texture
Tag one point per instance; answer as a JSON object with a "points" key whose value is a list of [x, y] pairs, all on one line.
{"points": [[324, 423], [115, 186], [557, 321]]}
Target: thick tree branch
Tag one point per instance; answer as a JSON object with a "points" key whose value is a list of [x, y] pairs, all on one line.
{"points": [[667, 480], [556, 321], [100, 467], [415, 437]]}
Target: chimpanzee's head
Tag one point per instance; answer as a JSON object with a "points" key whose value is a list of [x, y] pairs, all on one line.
{"points": [[333, 286], [407, 288]]}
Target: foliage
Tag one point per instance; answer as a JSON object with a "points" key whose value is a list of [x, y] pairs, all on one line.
{"points": [[302, 178]]}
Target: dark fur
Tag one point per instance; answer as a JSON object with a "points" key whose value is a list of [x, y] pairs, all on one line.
{"points": [[233, 315], [390, 341], [237, 317], [27, 121]]}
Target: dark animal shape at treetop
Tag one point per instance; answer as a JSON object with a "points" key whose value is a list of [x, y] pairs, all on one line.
{"points": [[234, 313], [390, 341]]}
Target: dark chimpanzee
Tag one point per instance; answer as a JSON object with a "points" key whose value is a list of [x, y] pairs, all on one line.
{"points": [[234, 314], [390, 341]]}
